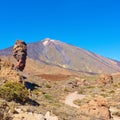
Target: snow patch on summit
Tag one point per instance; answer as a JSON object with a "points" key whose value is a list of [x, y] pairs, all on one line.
{"points": [[47, 41]]}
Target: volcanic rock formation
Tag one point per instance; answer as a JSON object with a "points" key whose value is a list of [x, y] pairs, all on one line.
{"points": [[20, 54], [7, 73], [106, 79], [98, 109]]}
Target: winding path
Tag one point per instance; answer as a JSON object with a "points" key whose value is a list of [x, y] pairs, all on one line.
{"points": [[71, 97]]}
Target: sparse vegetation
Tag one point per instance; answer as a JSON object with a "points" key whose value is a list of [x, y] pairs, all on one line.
{"points": [[51, 91], [12, 91], [66, 90], [48, 86], [37, 92], [81, 90], [48, 97]]}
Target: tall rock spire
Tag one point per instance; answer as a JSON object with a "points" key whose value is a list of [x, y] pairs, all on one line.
{"points": [[20, 54]]}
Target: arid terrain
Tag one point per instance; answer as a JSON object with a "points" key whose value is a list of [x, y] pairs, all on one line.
{"points": [[65, 96], [59, 93]]}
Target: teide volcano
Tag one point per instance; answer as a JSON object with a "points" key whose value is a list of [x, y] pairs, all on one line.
{"points": [[60, 54]]}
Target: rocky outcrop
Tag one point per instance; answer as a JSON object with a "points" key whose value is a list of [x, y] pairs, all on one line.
{"points": [[7, 73], [20, 54], [33, 116], [9, 112], [105, 79], [97, 109]]}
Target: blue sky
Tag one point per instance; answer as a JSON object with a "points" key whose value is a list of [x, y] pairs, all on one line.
{"points": [[90, 24]]}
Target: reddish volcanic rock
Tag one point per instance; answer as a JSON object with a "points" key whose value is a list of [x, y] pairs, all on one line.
{"points": [[97, 108]]}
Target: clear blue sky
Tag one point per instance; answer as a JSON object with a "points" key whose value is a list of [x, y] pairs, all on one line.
{"points": [[90, 24]]}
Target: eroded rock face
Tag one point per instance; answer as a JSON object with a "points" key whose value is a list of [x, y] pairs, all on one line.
{"points": [[20, 54], [97, 108], [7, 73]]}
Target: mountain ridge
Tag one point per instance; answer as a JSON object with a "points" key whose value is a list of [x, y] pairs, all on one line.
{"points": [[64, 55]]}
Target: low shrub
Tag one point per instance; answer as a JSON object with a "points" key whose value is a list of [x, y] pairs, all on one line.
{"points": [[12, 91]]}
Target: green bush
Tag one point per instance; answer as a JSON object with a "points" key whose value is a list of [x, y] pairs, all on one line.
{"points": [[48, 86], [14, 91]]}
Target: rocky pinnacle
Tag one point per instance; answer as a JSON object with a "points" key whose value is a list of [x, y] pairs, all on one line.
{"points": [[20, 54]]}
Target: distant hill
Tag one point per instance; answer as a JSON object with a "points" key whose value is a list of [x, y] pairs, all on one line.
{"points": [[57, 53]]}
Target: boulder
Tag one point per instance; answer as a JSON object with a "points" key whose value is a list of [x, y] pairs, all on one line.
{"points": [[97, 108], [105, 79]]}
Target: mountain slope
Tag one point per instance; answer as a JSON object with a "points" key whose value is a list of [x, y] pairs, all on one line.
{"points": [[60, 54]]}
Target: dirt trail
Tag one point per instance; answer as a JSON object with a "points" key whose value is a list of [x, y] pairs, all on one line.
{"points": [[71, 97]]}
